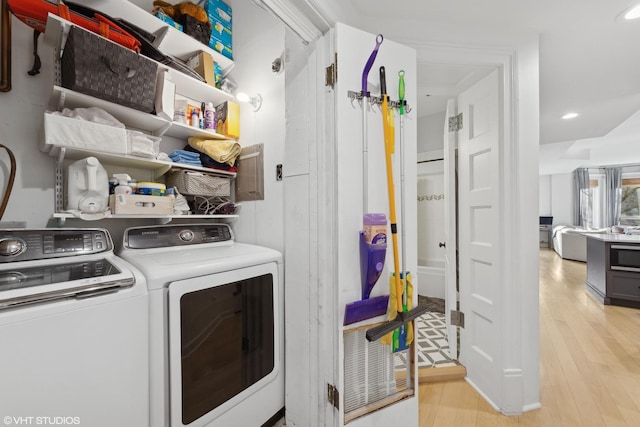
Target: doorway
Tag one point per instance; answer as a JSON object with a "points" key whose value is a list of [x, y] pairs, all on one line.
{"points": [[438, 85]]}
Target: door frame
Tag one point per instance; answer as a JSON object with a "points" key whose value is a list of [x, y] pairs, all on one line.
{"points": [[519, 134]]}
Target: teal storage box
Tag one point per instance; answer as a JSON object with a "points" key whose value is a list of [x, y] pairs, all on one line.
{"points": [[221, 12], [219, 46], [220, 16], [221, 33], [166, 18]]}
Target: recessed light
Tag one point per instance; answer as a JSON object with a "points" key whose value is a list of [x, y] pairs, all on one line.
{"points": [[629, 14], [569, 116], [633, 13]]}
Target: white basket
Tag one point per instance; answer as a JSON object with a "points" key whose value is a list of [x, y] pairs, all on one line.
{"points": [[193, 183]]}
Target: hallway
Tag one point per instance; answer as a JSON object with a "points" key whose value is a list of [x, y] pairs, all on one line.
{"points": [[589, 363]]}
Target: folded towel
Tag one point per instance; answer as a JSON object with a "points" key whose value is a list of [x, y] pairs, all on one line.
{"points": [[208, 162], [190, 159], [188, 162], [221, 150], [184, 154]]}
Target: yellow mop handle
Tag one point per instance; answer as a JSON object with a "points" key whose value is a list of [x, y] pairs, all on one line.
{"points": [[389, 143]]}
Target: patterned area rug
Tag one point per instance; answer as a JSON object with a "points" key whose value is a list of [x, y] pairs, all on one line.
{"points": [[432, 342], [430, 336]]}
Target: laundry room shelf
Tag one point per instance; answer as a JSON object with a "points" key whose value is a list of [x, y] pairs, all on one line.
{"points": [[63, 216], [185, 85], [65, 98], [169, 40], [179, 130], [158, 167]]}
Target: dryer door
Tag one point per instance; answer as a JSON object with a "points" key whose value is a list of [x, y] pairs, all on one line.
{"points": [[223, 345]]}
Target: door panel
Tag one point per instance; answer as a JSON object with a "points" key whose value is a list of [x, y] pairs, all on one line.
{"points": [[479, 194], [353, 48]]}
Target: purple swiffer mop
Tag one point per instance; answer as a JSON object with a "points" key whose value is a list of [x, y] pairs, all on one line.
{"points": [[373, 246]]}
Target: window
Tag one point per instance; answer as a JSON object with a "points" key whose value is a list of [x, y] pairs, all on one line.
{"points": [[629, 205]]}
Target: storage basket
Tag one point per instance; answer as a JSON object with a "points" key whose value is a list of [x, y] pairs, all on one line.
{"points": [[196, 29], [98, 67], [193, 183]]}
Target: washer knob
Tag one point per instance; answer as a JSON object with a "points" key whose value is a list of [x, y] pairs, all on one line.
{"points": [[186, 235], [12, 247]]}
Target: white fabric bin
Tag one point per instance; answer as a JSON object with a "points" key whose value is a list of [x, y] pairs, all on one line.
{"points": [[75, 133]]}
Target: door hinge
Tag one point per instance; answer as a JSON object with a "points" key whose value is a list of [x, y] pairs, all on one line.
{"points": [[457, 318], [331, 73], [455, 123], [333, 396]]}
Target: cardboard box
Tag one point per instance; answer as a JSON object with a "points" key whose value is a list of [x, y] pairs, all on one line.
{"points": [[228, 119], [137, 204], [76, 133], [166, 18], [202, 63]]}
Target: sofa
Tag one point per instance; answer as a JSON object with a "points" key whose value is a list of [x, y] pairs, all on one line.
{"points": [[570, 242]]}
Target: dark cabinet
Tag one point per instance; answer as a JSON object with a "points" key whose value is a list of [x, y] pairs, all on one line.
{"points": [[608, 280]]}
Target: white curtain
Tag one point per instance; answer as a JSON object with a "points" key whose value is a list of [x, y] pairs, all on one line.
{"points": [[582, 198], [614, 195]]}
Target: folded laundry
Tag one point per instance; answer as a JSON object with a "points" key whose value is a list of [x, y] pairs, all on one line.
{"points": [[221, 150], [185, 157], [183, 154], [208, 162]]}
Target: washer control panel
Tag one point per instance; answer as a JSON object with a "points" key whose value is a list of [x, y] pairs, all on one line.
{"points": [[177, 235], [34, 244]]}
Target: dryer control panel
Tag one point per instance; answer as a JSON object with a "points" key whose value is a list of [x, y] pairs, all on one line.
{"points": [[36, 244], [177, 235]]}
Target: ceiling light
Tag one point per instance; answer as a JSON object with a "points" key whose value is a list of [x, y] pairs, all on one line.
{"points": [[629, 14], [633, 13], [569, 116]]}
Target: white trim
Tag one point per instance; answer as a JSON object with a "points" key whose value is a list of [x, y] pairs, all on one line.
{"points": [[294, 19]]}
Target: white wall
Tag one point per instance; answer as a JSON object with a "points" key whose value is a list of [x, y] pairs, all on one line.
{"points": [[430, 213], [258, 40], [431, 132], [21, 117], [562, 198], [556, 197], [545, 195]]}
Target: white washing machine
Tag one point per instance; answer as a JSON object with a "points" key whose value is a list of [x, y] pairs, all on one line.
{"points": [[217, 317], [73, 331]]}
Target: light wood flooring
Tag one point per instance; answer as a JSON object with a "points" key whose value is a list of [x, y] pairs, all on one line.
{"points": [[589, 363]]}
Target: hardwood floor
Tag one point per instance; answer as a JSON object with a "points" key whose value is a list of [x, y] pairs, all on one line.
{"points": [[589, 363]]}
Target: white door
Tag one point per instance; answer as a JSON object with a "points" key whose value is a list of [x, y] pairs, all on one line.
{"points": [[340, 169], [479, 235], [450, 232]]}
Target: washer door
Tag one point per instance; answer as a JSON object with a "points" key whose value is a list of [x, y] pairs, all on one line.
{"points": [[223, 342]]}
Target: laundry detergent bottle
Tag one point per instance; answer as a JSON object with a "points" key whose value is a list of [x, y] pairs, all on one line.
{"points": [[87, 186]]}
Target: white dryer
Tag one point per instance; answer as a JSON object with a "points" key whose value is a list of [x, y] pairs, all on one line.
{"points": [[217, 318]]}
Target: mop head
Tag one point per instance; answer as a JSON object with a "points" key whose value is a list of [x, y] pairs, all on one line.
{"points": [[388, 339]]}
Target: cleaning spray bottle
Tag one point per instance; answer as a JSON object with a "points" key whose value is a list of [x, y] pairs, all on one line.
{"points": [[122, 185]]}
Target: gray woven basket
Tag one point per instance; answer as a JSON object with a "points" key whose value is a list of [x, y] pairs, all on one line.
{"points": [[98, 67], [192, 183]]}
